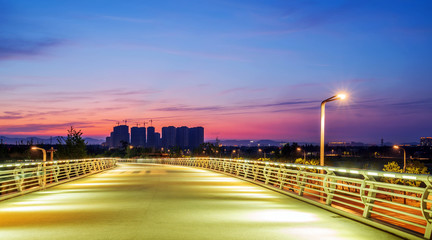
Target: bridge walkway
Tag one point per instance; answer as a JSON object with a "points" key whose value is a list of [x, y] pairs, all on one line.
{"points": [[144, 201]]}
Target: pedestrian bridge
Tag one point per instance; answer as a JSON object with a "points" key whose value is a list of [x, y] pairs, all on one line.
{"points": [[160, 199]]}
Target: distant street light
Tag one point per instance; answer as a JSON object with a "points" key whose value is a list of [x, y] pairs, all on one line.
{"points": [[263, 152], [304, 153], [44, 163], [398, 147], [331, 99], [43, 152]]}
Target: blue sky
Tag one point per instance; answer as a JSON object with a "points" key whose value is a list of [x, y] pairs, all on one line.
{"points": [[241, 69]]}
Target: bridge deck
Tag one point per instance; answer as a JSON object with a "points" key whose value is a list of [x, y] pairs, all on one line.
{"points": [[136, 201]]}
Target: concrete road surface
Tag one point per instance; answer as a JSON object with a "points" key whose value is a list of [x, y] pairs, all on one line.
{"points": [[143, 201]]}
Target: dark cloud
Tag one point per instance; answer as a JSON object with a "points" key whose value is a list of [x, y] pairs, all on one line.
{"points": [[414, 103], [241, 89], [16, 48], [43, 127], [18, 115], [230, 108], [13, 87], [188, 108], [10, 117], [14, 35]]}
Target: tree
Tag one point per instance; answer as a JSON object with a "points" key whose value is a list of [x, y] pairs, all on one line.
{"points": [[392, 167], [73, 146], [415, 167]]}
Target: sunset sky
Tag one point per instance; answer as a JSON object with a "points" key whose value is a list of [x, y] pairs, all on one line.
{"points": [[241, 69]]}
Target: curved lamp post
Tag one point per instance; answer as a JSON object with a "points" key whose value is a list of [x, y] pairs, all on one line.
{"points": [[331, 99], [398, 147], [44, 163], [304, 153], [43, 151]]}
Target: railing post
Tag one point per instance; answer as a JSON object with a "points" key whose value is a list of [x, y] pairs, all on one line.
{"points": [[56, 171], [77, 168], [300, 181], [19, 177], [237, 168], [254, 171], [367, 201], [281, 174], [266, 174], [40, 174], [246, 169], [423, 207], [329, 187]]}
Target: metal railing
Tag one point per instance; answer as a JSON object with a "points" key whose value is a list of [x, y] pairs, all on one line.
{"points": [[21, 178], [391, 201]]}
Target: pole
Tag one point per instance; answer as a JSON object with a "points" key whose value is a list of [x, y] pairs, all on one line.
{"points": [[322, 133], [404, 167]]}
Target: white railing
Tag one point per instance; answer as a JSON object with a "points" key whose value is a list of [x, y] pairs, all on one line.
{"points": [[382, 199], [24, 177]]}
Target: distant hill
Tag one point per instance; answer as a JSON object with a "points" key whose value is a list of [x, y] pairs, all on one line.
{"points": [[38, 140], [253, 143]]}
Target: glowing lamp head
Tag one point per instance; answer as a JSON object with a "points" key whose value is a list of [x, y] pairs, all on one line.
{"points": [[298, 149], [341, 96], [396, 147], [33, 148]]}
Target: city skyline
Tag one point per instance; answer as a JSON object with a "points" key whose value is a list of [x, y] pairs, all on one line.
{"points": [[169, 136], [241, 69]]}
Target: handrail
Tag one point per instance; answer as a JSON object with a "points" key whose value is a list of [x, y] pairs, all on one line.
{"points": [[24, 177], [364, 194]]}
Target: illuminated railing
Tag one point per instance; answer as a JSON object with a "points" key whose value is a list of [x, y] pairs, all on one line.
{"points": [[374, 197], [20, 178]]}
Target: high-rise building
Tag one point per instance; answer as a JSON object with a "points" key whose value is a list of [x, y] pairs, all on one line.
{"points": [[138, 136], [108, 142], [196, 137], [168, 136], [120, 136], [426, 141], [157, 137], [151, 139], [182, 136]]}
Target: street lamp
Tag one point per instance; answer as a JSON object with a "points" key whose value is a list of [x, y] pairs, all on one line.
{"points": [[304, 154], [398, 147], [331, 99], [44, 163], [43, 151], [263, 152]]}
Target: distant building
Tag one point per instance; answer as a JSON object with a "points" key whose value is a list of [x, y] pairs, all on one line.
{"points": [[345, 144], [338, 144], [157, 138], [151, 138], [108, 142], [182, 136], [168, 136], [138, 136], [426, 141], [119, 136], [196, 137]]}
